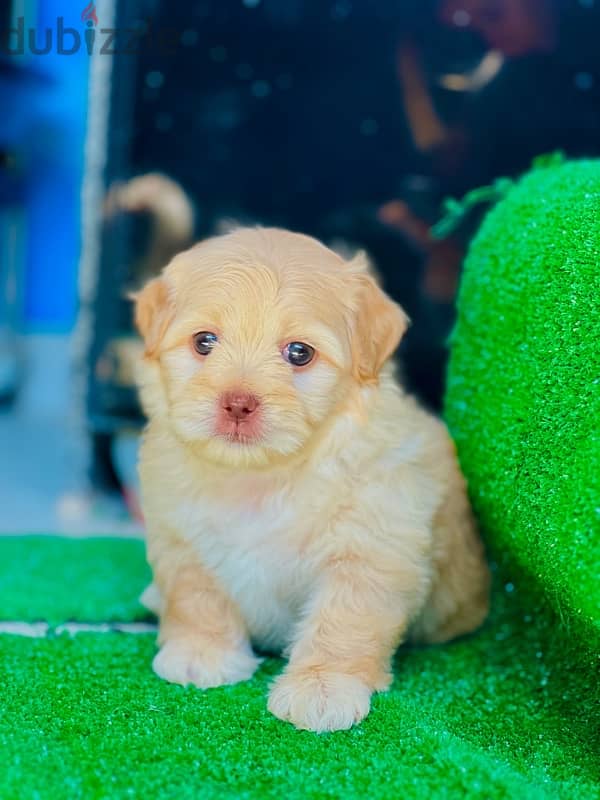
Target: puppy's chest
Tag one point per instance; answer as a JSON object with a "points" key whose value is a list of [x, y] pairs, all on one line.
{"points": [[256, 545]]}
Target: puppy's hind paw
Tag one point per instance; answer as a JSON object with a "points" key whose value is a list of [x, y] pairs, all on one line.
{"points": [[185, 661], [319, 701]]}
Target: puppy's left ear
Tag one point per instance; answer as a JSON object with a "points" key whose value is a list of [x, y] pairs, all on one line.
{"points": [[154, 311], [379, 325]]}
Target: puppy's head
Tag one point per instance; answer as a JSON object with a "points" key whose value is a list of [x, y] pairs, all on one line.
{"points": [[253, 340]]}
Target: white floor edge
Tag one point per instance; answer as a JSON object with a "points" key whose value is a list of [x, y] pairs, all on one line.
{"points": [[40, 630]]}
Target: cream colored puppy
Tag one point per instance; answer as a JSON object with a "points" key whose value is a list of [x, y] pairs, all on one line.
{"points": [[295, 498]]}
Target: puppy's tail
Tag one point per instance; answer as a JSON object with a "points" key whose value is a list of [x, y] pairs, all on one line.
{"points": [[171, 214]]}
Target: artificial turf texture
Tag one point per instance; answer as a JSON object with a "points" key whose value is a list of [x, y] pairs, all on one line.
{"points": [[51, 579], [508, 713], [523, 400]]}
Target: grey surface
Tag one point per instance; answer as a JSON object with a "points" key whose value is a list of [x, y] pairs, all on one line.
{"points": [[43, 454]]}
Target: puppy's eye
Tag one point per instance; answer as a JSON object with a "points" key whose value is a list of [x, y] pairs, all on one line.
{"points": [[298, 354], [204, 342]]}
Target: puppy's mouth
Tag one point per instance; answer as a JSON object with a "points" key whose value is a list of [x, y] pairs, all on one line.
{"points": [[239, 434]]}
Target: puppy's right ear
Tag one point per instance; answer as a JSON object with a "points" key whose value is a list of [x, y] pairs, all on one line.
{"points": [[154, 312]]}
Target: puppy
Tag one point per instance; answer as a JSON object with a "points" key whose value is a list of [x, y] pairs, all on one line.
{"points": [[295, 498]]}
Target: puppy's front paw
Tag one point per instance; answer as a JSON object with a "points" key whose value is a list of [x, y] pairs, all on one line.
{"points": [[185, 661], [319, 701]]}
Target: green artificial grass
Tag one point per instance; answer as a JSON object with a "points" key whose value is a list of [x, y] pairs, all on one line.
{"points": [[523, 400], [56, 580], [510, 712]]}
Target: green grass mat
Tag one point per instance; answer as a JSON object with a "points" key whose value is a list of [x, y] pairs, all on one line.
{"points": [[508, 713], [56, 580], [523, 400]]}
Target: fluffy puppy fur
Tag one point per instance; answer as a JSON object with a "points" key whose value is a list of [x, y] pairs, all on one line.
{"points": [[328, 520]]}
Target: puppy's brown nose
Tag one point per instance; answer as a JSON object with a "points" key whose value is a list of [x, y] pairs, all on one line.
{"points": [[239, 405]]}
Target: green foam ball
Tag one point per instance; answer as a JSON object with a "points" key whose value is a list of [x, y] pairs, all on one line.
{"points": [[523, 397]]}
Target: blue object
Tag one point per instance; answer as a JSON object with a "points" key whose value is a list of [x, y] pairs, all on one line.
{"points": [[44, 100]]}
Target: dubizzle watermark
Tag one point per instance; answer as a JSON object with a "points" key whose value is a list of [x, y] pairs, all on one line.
{"points": [[64, 40]]}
